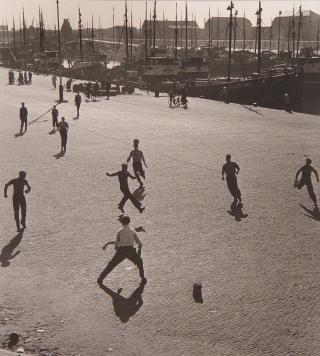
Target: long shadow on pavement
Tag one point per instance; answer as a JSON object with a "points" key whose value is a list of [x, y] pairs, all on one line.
{"points": [[139, 194], [59, 155], [312, 214], [7, 253], [237, 212], [125, 308]]}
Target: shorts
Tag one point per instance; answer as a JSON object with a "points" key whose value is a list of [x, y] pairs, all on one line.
{"points": [[137, 168]]}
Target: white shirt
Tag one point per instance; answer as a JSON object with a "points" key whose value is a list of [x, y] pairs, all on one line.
{"points": [[127, 236]]}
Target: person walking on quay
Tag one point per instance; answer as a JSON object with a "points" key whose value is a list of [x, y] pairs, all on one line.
{"points": [[55, 114], [30, 76], [231, 170], [18, 198], [137, 159], [23, 118], [63, 129], [20, 78], [25, 75], [77, 101], [124, 187], [305, 180], [124, 246], [54, 81]]}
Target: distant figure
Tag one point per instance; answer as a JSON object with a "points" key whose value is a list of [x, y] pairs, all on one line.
{"points": [[26, 77], [10, 77], [137, 159], [68, 84], [63, 129], [88, 90], [124, 246], [30, 77], [184, 97], [55, 114], [124, 187], [54, 81], [96, 88], [23, 117], [108, 87], [231, 170], [20, 78], [18, 198], [77, 101], [305, 180]]}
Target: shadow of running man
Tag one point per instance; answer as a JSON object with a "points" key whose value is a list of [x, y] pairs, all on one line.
{"points": [[312, 214], [236, 211], [125, 308], [139, 194], [7, 253]]}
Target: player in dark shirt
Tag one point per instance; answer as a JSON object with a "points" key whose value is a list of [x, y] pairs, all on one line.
{"points": [[18, 198], [124, 187], [63, 129], [23, 117], [305, 180], [231, 170], [77, 101], [55, 114]]}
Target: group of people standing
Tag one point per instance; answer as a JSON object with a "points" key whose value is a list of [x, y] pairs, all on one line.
{"points": [[23, 77]]}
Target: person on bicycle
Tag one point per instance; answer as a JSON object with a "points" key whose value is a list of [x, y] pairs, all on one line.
{"points": [[184, 97]]}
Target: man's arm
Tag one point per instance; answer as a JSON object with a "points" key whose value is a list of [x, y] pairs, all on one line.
{"points": [[131, 176], [223, 172], [116, 245], [112, 174], [138, 242], [6, 188], [297, 174], [143, 160], [28, 187], [237, 168], [128, 159], [316, 174]]}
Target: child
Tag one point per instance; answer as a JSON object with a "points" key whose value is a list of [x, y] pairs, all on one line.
{"points": [[137, 158]]}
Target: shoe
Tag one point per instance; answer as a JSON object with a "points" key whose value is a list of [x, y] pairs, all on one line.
{"points": [[24, 225], [144, 280], [141, 210], [100, 281]]}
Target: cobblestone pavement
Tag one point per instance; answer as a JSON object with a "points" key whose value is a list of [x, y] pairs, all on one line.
{"points": [[260, 275]]}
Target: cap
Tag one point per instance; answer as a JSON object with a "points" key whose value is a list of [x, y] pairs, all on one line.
{"points": [[124, 219]]}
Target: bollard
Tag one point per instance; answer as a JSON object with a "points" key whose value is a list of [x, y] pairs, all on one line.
{"points": [[197, 293], [156, 93]]}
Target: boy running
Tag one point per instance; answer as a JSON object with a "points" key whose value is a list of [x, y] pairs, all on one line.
{"points": [[137, 159], [231, 170]]}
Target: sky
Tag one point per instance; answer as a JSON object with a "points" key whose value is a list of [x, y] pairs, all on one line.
{"points": [[101, 10]]}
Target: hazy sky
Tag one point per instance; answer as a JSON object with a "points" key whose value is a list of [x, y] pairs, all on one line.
{"points": [[103, 9]]}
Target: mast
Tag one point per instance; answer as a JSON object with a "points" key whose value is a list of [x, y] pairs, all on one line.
{"points": [[20, 30], [244, 31], [230, 38], [186, 49], [195, 32], [146, 34], [92, 34], [209, 28], [218, 25], [235, 30], [14, 36], [289, 35], [270, 37], [154, 25], [299, 30], [164, 31], [176, 34], [150, 33], [131, 35], [293, 34], [80, 36], [318, 38], [279, 30], [24, 27], [259, 37], [113, 25], [126, 28]]}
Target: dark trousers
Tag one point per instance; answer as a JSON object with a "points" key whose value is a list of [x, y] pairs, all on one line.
{"points": [[121, 254], [64, 139], [55, 122], [309, 185], [127, 195], [232, 184], [24, 122], [19, 202], [78, 109], [138, 171]]}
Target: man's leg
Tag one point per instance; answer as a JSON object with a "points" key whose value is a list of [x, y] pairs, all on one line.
{"points": [[23, 205], [311, 193], [64, 142], [25, 125], [233, 188], [123, 200], [15, 202], [118, 257], [136, 173], [137, 260], [61, 136], [21, 126]]}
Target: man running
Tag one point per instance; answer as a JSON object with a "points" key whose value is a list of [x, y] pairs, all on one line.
{"points": [[231, 170], [305, 180], [63, 129], [77, 101], [137, 159], [23, 117], [55, 114], [124, 246], [18, 198], [124, 187]]}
